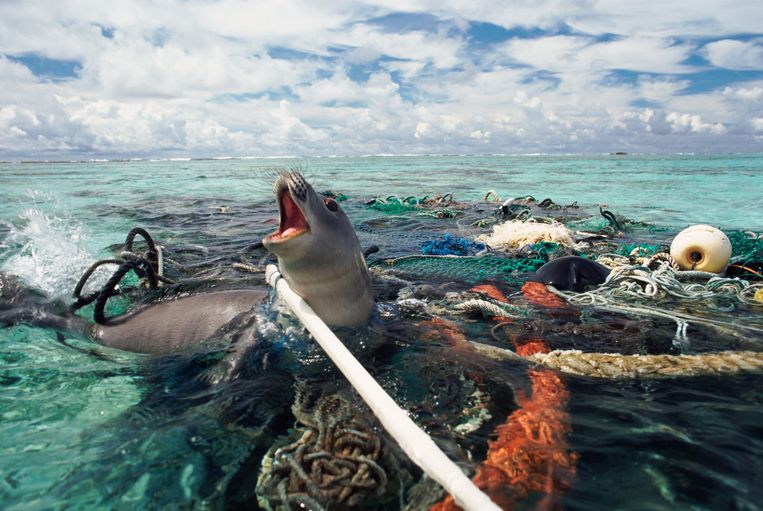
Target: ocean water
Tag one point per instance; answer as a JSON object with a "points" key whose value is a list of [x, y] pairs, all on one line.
{"points": [[85, 427]]}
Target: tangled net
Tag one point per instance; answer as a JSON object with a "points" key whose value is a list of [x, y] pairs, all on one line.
{"points": [[334, 462], [641, 282], [471, 269], [517, 233]]}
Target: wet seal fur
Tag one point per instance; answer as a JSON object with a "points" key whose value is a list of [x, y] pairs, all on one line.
{"points": [[572, 273], [318, 255]]}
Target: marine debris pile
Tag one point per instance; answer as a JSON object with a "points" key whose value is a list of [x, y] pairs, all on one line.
{"points": [[654, 275], [466, 277]]}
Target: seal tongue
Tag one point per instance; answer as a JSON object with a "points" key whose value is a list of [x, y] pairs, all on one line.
{"points": [[292, 220]]}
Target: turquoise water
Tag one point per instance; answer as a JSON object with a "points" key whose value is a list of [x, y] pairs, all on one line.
{"points": [[85, 428]]}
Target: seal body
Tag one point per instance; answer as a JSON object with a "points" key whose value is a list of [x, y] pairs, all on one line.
{"points": [[171, 325], [572, 273], [319, 254]]}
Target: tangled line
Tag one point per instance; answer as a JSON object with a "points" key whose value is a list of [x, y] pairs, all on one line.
{"points": [[335, 462]]}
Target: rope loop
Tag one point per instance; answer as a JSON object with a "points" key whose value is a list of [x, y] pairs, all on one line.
{"points": [[148, 266]]}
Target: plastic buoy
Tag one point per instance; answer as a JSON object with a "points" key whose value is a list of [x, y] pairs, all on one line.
{"points": [[702, 248]]}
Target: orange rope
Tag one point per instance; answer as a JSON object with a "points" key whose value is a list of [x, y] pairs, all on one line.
{"points": [[437, 329], [530, 454], [491, 291], [538, 294], [746, 268]]}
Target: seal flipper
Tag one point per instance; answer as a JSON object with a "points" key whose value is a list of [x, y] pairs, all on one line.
{"points": [[21, 305], [39, 316]]}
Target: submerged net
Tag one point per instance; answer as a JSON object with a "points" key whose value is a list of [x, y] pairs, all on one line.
{"points": [[468, 269]]}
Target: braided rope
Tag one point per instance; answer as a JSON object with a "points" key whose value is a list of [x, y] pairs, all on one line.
{"points": [[618, 366], [613, 365], [489, 308]]}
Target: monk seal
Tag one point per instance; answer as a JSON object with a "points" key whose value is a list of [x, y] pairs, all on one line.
{"points": [[572, 273], [318, 255]]}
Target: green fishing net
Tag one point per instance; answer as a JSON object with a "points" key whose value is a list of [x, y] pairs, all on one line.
{"points": [[467, 269], [745, 247]]}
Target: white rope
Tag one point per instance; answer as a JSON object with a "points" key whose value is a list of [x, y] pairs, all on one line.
{"points": [[415, 443]]}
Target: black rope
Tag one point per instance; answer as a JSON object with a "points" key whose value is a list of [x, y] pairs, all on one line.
{"points": [[152, 254], [144, 234], [545, 203], [610, 218], [370, 250], [82, 301], [145, 266], [110, 288]]}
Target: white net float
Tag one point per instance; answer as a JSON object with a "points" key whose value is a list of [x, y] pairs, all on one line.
{"points": [[701, 247]]}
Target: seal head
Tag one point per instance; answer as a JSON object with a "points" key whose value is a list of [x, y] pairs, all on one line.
{"points": [[319, 254]]}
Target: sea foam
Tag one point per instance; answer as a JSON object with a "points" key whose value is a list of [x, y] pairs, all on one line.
{"points": [[47, 251]]}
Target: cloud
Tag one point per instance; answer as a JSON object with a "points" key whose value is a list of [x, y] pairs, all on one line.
{"points": [[566, 54], [230, 77], [731, 54], [687, 123]]}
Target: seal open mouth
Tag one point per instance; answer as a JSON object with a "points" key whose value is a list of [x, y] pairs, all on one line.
{"points": [[292, 221]]}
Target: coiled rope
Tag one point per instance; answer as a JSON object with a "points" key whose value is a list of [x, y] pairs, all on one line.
{"points": [[336, 459], [642, 283]]}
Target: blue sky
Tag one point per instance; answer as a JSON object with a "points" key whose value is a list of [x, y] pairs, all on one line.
{"points": [[92, 79]]}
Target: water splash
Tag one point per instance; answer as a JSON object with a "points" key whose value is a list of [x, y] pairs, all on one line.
{"points": [[47, 250]]}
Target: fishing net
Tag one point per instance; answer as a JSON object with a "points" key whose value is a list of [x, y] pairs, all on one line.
{"points": [[451, 245], [746, 247], [394, 205], [468, 269], [637, 249], [518, 233]]}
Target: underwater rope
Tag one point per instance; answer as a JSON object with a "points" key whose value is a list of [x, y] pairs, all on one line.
{"points": [[529, 453], [336, 459], [412, 440]]}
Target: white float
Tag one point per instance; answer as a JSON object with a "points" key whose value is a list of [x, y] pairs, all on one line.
{"points": [[702, 248]]}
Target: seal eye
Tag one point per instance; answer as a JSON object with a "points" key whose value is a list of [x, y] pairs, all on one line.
{"points": [[331, 204]]}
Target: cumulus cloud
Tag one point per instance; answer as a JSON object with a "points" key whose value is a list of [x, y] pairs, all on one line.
{"points": [[199, 78], [688, 123]]}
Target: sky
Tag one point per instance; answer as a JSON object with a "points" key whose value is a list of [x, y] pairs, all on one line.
{"points": [[86, 79]]}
